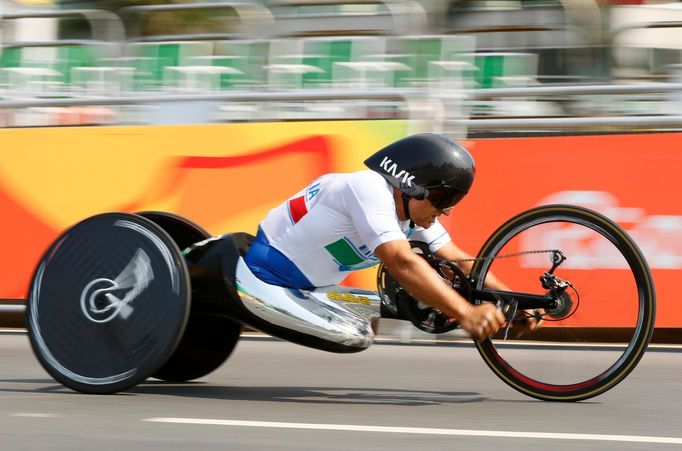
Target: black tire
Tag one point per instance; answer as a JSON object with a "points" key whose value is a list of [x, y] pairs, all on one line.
{"points": [[592, 347], [183, 231], [210, 336], [209, 339], [108, 303]]}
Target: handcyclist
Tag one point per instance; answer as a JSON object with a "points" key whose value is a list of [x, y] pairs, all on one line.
{"points": [[348, 221]]}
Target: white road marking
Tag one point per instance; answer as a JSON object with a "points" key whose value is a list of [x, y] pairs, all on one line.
{"points": [[424, 431]]}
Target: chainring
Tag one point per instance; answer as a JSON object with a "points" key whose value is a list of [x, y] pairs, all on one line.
{"points": [[403, 305]]}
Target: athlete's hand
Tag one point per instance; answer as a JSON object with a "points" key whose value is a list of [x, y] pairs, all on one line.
{"points": [[529, 324], [482, 321]]}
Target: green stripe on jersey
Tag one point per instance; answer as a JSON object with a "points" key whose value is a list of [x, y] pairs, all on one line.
{"points": [[343, 253]]}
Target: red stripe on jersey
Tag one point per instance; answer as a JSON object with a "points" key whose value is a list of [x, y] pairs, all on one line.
{"points": [[297, 208]]}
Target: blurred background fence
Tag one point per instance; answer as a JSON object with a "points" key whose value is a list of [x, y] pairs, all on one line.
{"points": [[132, 105], [473, 68]]}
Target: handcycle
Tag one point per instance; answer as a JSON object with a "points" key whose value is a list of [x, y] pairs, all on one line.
{"points": [[121, 297]]}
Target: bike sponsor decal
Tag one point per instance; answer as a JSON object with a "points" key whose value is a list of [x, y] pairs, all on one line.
{"points": [[368, 293], [657, 235], [104, 299], [347, 297], [392, 168]]}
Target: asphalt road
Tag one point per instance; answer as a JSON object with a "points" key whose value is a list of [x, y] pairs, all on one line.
{"points": [[276, 395]]}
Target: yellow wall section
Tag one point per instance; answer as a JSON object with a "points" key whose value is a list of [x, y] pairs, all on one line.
{"points": [[69, 173], [55, 177]]}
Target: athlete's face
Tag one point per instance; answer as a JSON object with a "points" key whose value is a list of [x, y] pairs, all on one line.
{"points": [[423, 213]]}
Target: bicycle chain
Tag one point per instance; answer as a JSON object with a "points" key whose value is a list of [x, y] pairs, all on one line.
{"points": [[515, 254]]}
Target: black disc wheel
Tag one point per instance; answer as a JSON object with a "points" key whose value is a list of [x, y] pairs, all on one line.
{"points": [[601, 323], [108, 303]]}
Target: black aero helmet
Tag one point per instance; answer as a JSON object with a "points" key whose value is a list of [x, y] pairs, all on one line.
{"points": [[426, 165]]}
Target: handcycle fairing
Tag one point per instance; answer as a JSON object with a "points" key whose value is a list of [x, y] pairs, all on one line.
{"points": [[335, 318]]}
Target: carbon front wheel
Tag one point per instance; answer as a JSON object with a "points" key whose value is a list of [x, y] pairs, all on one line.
{"points": [[602, 323]]}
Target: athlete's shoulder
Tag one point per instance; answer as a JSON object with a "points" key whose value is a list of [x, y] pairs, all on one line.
{"points": [[366, 178], [368, 189]]}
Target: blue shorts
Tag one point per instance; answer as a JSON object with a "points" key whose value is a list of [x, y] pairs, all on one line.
{"points": [[273, 267]]}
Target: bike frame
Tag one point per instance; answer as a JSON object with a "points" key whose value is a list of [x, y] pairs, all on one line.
{"points": [[526, 301]]}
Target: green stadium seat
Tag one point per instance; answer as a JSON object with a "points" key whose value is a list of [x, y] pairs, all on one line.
{"points": [[419, 52], [248, 57], [286, 66], [505, 69], [11, 57], [71, 56], [325, 52], [140, 71], [62, 59], [168, 53]]}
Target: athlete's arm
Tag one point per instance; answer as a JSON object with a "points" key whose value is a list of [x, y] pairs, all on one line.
{"points": [[414, 274], [450, 251]]}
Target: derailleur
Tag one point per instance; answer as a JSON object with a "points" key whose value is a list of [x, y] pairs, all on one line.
{"points": [[556, 287]]}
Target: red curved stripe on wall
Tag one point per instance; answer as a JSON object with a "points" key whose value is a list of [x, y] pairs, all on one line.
{"points": [[314, 144], [213, 188], [208, 189]]}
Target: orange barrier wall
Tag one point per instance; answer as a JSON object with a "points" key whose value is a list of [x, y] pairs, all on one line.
{"points": [[226, 177], [635, 180]]}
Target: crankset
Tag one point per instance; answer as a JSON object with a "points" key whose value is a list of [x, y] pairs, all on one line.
{"points": [[402, 304]]}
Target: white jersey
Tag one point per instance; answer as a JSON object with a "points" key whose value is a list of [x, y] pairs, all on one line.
{"points": [[333, 226]]}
